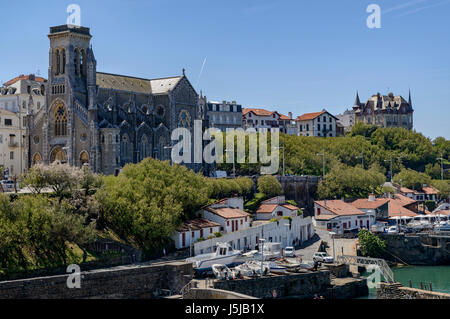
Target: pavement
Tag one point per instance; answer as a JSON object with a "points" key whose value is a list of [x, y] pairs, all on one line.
{"points": [[311, 246]]}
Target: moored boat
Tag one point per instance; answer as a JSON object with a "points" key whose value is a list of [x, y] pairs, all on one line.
{"points": [[224, 255]]}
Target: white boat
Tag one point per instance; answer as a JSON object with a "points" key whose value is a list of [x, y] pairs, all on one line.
{"points": [[443, 227], [271, 251], [222, 272], [224, 255], [251, 269], [287, 263], [276, 268]]}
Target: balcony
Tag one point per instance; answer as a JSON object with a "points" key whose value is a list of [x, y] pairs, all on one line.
{"points": [[13, 144]]}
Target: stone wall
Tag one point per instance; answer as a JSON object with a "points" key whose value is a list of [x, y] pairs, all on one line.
{"points": [[397, 291], [303, 285], [143, 281], [302, 189], [419, 249]]}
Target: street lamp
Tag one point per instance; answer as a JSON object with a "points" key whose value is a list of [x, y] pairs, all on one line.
{"points": [[262, 240], [282, 147], [323, 161], [362, 159], [332, 234], [442, 167], [234, 168]]}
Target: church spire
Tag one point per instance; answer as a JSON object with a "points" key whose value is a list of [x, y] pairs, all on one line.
{"points": [[357, 102], [409, 99]]}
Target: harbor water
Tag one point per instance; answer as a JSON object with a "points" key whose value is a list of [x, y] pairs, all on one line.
{"points": [[438, 276]]}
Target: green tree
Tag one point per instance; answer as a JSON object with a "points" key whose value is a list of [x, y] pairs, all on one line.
{"points": [[371, 245], [412, 179], [269, 186]]}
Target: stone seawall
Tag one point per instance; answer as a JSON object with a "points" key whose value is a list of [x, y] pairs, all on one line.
{"points": [[137, 281], [419, 249], [299, 286], [398, 291]]}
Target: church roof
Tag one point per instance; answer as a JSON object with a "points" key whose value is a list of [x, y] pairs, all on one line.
{"points": [[123, 83], [164, 85]]}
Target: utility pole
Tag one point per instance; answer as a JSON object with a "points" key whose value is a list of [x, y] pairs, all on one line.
{"points": [[234, 168], [323, 162], [282, 147], [390, 160], [442, 166]]}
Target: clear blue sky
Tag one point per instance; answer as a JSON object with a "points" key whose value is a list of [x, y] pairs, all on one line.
{"points": [[298, 55]]}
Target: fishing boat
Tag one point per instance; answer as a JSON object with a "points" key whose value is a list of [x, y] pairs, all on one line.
{"points": [[222, 272], [276, 268], [224, 255]]}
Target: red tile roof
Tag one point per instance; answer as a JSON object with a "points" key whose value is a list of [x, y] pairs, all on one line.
{"points": [[260, 112], [196, 224], [406, 190], [430, 190], [291, 207], [339, 207], [365, 203], [325, 217], [228, 213], [23, 77], [396, 209], [309, 116], [266, 208]]}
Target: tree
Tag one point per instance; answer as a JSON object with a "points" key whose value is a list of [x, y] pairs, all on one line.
{"points": [[269, 185], [349, 182], [443, 186], [35, 179], [371, 245], [412, 179]]}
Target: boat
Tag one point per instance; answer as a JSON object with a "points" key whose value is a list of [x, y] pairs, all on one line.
{"points": [[222, 272], [443, 227], [252, 269], [275, 268], [271, 251], [288, 263], [224, 255]]}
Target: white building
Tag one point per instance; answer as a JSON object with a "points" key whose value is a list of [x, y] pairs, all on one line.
{"points": [[339, 217], [316, 124], [18, 96], [261, 118], [347, 119], [275, 208], [229, 214], [299, 230], [191, 231]]}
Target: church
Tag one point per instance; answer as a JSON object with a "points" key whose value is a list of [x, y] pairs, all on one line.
{"points": [[101, 119]]}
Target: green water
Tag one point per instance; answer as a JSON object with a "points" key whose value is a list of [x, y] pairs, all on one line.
{"points": [[438, 276]]}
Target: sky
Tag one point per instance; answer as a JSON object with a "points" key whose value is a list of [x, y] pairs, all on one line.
{"points": [[294, 56]]}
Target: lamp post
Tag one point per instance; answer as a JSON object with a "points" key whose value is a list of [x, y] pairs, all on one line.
{"points": [[442, 166], [282, 147], [234, 168], [332, 237], [262, 240], [323, 162], [362, 159]]}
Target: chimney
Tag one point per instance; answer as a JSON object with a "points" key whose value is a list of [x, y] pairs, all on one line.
{"points": [[372, 197]]}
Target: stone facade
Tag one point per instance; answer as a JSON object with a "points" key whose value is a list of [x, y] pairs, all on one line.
{"points": [[397, 291], [385, 111], [105, 120]]}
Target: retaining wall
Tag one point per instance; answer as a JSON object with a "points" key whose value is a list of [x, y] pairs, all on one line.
{"points": [[397, 291]]}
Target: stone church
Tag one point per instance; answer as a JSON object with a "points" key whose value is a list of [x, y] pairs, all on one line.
{"points": [[104, 120]]}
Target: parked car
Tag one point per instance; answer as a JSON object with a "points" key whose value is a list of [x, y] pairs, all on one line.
{"points": [[7, 185], [323, 257], [378, 228], [289, 252], [393, 230]]}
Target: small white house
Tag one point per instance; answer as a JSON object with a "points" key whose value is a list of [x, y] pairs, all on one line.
{"points": [[338, 216], [229, 214], [189, 232], [275, 208]]}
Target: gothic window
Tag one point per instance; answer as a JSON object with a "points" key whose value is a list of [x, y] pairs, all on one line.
{"points": [[162, 143], [184, 119], [60, 120], [145, 148], [63, 60], [83, 137], [76, 62], [126, 147], [160, 110], [83, 65], [57, 62]]}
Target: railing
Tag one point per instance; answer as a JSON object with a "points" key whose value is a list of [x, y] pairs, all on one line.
{"points": [[365, 261], [185, 290]]}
